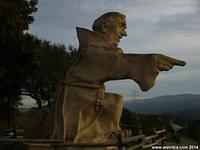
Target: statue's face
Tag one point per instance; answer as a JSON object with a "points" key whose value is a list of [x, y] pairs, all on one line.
{"points": [[115, 31]]}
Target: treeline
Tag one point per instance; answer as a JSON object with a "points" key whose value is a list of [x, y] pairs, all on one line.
{"points": [[144, 122], [191, 128], [51, 61], [28, 65]]}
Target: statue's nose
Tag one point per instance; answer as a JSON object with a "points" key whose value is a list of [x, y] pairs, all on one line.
{"points": [[124, 33]]}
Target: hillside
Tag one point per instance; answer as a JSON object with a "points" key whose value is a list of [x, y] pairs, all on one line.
{"points": [[186, 103], [187, 114]]}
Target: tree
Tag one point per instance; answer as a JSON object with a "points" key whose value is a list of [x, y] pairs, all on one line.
{"points": [[52, 61], [193, 129], [15, 17]]}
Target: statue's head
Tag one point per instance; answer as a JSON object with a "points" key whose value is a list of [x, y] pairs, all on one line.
{"points": [[111, 26]]}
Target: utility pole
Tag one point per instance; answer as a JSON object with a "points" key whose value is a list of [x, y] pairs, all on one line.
{"points": [[134, 94]]}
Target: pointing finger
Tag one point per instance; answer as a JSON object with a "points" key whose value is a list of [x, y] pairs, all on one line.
{"points": [[173, 61]]}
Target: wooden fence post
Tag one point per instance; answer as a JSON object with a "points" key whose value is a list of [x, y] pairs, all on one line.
{"points": [[120, 142]]}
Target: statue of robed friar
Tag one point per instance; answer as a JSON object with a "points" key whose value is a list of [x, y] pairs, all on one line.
{"points": [[83, 111]]}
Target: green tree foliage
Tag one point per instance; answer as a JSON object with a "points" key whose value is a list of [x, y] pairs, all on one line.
{"points": [[15, 17], [144, 122], [193, 129], [52, 61], [128, 118]]}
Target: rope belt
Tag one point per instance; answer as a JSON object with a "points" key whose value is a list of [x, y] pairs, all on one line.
{"points": [[85, 85]]}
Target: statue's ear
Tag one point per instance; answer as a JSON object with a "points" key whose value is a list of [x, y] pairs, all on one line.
{"points": [[104, 27]]}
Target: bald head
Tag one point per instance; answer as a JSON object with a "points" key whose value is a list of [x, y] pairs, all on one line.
{"points": [[106, 19], [111, 26]]}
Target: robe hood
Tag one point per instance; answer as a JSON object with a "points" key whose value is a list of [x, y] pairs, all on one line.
{"points": [[89, 39]]}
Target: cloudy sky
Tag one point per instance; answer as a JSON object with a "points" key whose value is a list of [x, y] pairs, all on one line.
{"points": [[169, 27]]}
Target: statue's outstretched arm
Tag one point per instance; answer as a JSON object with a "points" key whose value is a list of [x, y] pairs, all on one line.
{"points": [[142, 68], [146, 67]]}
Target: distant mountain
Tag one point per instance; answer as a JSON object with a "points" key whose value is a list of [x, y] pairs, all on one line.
{"points": [[187, 114], [165, 104]]}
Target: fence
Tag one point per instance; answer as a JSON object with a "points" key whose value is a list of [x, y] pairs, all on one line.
{"points": [[11, 133], [131, 143]]}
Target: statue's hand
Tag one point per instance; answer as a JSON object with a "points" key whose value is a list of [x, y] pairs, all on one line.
{"points": [[165, 63], [151, 65]]}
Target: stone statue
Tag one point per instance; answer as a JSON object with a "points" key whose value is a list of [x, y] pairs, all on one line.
{"points": [[83, 111]]}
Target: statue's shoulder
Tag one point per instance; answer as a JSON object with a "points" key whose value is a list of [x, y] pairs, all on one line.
{"points": [[93, 42]]}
